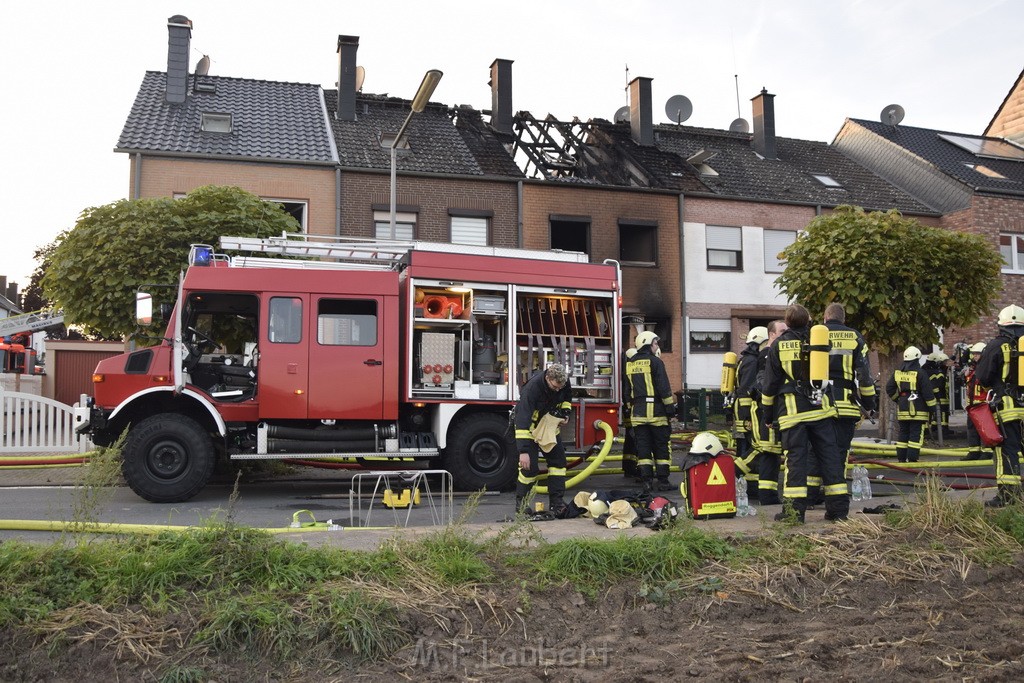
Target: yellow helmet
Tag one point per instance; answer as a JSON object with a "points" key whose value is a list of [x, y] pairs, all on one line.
{"points": [[596, 507], [644, 338], [1011, 315], [630, 352], [911, 353], [938, 357], [706, 443], [757, 335], [978, 347]]}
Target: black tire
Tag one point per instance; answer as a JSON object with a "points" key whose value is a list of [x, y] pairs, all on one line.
{"points": [[479, 455], [167, 458]]}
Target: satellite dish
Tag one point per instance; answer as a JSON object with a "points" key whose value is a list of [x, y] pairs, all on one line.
{"points": [[622, 115], [203, 67], [892, 114], [360, 77], [739, 126], [678, 108]]}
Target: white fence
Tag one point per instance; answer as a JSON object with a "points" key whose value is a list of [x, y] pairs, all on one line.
{"points": [[33, 424]]}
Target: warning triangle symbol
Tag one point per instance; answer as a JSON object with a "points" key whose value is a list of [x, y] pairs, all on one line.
{"points": [[716, 478]]}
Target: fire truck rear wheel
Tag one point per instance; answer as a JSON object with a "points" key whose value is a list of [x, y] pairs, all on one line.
{"points": [[478, 455], [167, 458]]}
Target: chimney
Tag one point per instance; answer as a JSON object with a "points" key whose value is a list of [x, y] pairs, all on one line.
{"points": [[501, 95], [347, 46], [764, 124], [179, 30], [641, 121], [12, 293]]}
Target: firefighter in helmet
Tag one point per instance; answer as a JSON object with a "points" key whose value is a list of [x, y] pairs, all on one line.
{"points": [[544, 405], [766, 438], [630, 468], [912, 391], [936, 367], [648, 394], [806, 417], [976, 393], [850, 374], [746, 394], [998, 369]]}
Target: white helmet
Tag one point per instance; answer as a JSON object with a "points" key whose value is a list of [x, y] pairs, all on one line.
{"points": [[938, 357], [644, 338], [596, 507], [757, 335], [706, 443], [630, 352], [912, 353], [978, 347], [1011, 315]]}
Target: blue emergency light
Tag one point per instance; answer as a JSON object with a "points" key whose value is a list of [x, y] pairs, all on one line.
{"points": [[200, 255]]}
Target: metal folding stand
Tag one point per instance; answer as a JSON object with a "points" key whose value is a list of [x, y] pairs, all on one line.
{"points": [[364, 501]]}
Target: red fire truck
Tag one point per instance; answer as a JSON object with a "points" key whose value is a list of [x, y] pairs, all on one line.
{"points": [[314, 349]]}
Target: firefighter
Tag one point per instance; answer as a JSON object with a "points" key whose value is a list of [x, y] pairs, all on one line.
{"points": [[849, 372], [651, 403], [746, 394], [630, 469], [544, 405], [766, 438], [806, 419], [911, 390], [935, 366], [998, 369], [976, 393]]}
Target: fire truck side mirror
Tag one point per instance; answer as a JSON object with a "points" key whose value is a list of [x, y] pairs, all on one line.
{"points": [[143, 308]]}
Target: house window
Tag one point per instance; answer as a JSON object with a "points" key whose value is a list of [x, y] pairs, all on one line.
{"points": [[469, 230], [725, 248], [216, 123], [638, 243], [985, 170], [826, 180], [570, 233], [1011, 247], [710, 336], [405, 225], [295, 209], [387, 138], [986, 147], [774, 242], [346, 322]]}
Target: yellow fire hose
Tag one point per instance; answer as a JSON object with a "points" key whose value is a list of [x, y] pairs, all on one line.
{"points": [[594, 463]]}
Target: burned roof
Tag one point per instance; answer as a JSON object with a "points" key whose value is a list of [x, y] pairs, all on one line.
{"points": [[269, 120]]}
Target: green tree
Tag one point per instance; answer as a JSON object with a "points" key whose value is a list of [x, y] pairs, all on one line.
{"points": [[96, 267], [898, 280]]}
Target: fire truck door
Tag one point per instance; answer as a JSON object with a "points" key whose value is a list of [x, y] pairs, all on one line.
{"points": [[283, 366], [347, 359]]}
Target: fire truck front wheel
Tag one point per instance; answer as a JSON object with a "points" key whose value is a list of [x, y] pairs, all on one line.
{"points": [[478, 455], [167, 458]]}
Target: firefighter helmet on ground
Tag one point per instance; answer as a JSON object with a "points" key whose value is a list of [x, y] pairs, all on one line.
{"points": [[706, 443], [978, 347], [1011, 315], [644, 338], [912, 353], [757, 335], [596, 507]]}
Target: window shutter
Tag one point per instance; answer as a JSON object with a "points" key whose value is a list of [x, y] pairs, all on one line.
{"points": [[708, 325], [467, 230], [774, 242], [726, 239]]}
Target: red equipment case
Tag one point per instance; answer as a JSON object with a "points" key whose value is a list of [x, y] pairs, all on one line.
{"points": [[711, 488], [980, 414]]}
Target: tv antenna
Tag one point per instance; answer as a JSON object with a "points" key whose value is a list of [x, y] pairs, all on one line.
{"points": [[360, 77], [739, 126], [678, 108], [892, 114], [203, 66], [622, 115]]}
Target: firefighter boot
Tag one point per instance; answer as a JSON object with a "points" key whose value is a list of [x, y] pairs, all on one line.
{"points": [[1007, 495], [837, 507]]}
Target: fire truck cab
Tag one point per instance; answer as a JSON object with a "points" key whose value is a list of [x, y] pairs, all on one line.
{"points": [[357, 351]]}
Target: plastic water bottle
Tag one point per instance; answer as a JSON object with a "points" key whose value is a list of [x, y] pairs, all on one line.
{"points": [[743, 508], [866, 483], [857, 483]]}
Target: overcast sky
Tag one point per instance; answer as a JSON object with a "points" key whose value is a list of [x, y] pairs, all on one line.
{"points": [[71, 70]]}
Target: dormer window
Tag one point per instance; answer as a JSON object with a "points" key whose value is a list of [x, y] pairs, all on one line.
{"points": [[985, 170], [216, 123], [387, 138], [826, 180]]}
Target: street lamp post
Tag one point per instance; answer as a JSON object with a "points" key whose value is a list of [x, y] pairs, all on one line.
{"points": [[419, 103]]}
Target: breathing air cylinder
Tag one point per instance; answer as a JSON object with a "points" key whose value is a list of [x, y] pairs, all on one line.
{"points": [[819, 354], [1020, 361], [728, 372]]}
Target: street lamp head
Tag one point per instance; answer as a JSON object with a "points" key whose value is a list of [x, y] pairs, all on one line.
{"points": [[430, 81]]}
